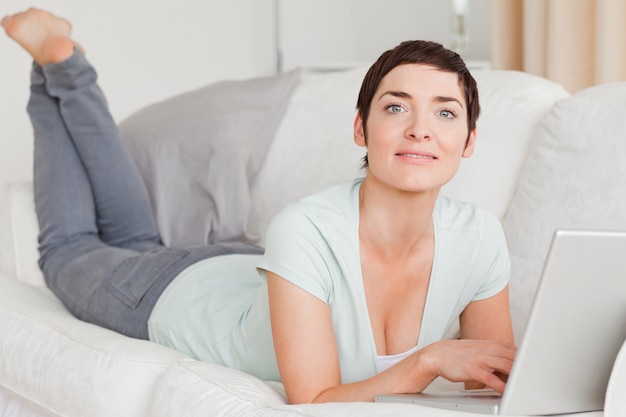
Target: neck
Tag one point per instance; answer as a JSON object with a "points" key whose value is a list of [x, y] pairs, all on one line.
{"points": [[395, 221]]}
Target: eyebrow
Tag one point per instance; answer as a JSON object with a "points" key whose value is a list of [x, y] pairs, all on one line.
{"points": [[438, 99]]}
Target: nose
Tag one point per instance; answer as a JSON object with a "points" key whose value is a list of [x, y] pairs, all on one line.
{"points": [[418, 128]]}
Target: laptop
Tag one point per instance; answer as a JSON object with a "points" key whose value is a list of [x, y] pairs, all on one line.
{"points": [[575, 330]]}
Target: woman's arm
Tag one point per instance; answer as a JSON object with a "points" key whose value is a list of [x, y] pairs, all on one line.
{"points": [[308, 358], [307, 355], [488, 319]]}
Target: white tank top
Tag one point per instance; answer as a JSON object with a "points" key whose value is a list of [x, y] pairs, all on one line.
{"points": [[385, 362]]}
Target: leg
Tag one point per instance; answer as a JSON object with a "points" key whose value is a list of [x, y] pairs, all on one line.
{"points": [[97, 282], [123, 212], [124, 215], [75, 263], [112, 287], [63, 199]]}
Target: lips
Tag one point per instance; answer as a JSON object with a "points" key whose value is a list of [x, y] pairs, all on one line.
{"points": [[418, 155]]}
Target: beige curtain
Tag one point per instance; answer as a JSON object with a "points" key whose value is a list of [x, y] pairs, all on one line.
{"points": [[577, 43]]}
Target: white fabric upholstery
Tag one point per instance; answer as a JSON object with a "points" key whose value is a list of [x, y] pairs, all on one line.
{"points": [[313, 145], [18, 234], [575, 177], [615, 405], [70, 367], [7, 245], [13, 406], [207, 386]]}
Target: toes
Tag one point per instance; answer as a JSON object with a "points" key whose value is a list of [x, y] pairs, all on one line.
{"points": [[5, 21]]}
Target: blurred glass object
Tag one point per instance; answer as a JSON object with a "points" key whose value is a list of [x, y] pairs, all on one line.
{"points": [[460, 32]]}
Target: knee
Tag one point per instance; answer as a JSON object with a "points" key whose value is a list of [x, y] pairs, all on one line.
{"points": [[54, 257]]}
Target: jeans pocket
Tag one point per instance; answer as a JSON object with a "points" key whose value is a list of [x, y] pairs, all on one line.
{"points": [[135, 275]]}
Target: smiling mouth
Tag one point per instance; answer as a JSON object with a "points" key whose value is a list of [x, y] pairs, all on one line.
{"points": [[416, 156]]}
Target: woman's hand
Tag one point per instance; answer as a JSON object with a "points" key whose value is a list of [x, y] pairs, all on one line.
{"points": [[487, 363]]}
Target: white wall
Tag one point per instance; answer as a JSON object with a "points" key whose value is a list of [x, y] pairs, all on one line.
{"points": [[144, 50], [318, 33], [147, 50]]}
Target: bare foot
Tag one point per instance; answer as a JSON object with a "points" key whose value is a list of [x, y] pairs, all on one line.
{"points": [[43, 35]]}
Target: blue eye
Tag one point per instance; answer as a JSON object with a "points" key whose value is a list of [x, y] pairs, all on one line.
{"points": [[394, 108], [446, 114]]}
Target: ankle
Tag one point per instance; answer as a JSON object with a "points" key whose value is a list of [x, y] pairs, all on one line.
{"points": [[55, 50]]}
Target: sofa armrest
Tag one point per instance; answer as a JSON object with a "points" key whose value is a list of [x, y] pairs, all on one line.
{"points": [[70, 367], [7, 246], [202, 389], [615, 403], [18, 234]]}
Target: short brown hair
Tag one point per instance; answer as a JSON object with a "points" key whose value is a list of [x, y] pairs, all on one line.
{"points": [[419, 52]]}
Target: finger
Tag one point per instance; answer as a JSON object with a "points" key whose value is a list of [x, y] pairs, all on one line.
{"points": [[500, 365], [497, 358], [492, 381]]}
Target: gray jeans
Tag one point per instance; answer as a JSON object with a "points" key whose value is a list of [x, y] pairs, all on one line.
{"points": [[100, 250]]}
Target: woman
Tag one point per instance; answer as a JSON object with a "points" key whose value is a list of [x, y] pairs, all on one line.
{"points": [[362, 280]]}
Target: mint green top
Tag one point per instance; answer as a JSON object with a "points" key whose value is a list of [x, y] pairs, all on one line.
{"points": [[217, 310]]}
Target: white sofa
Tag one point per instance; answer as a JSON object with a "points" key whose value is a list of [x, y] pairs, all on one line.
{"points": [[544, 160]]}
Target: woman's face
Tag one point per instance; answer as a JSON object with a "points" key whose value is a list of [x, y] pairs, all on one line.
{"points": [[416, 129]]}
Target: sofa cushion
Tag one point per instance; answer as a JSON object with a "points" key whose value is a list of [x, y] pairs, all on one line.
{"points": [[574, 179], [197, 153], [313, 148], [69, 367], [513, 104]]}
